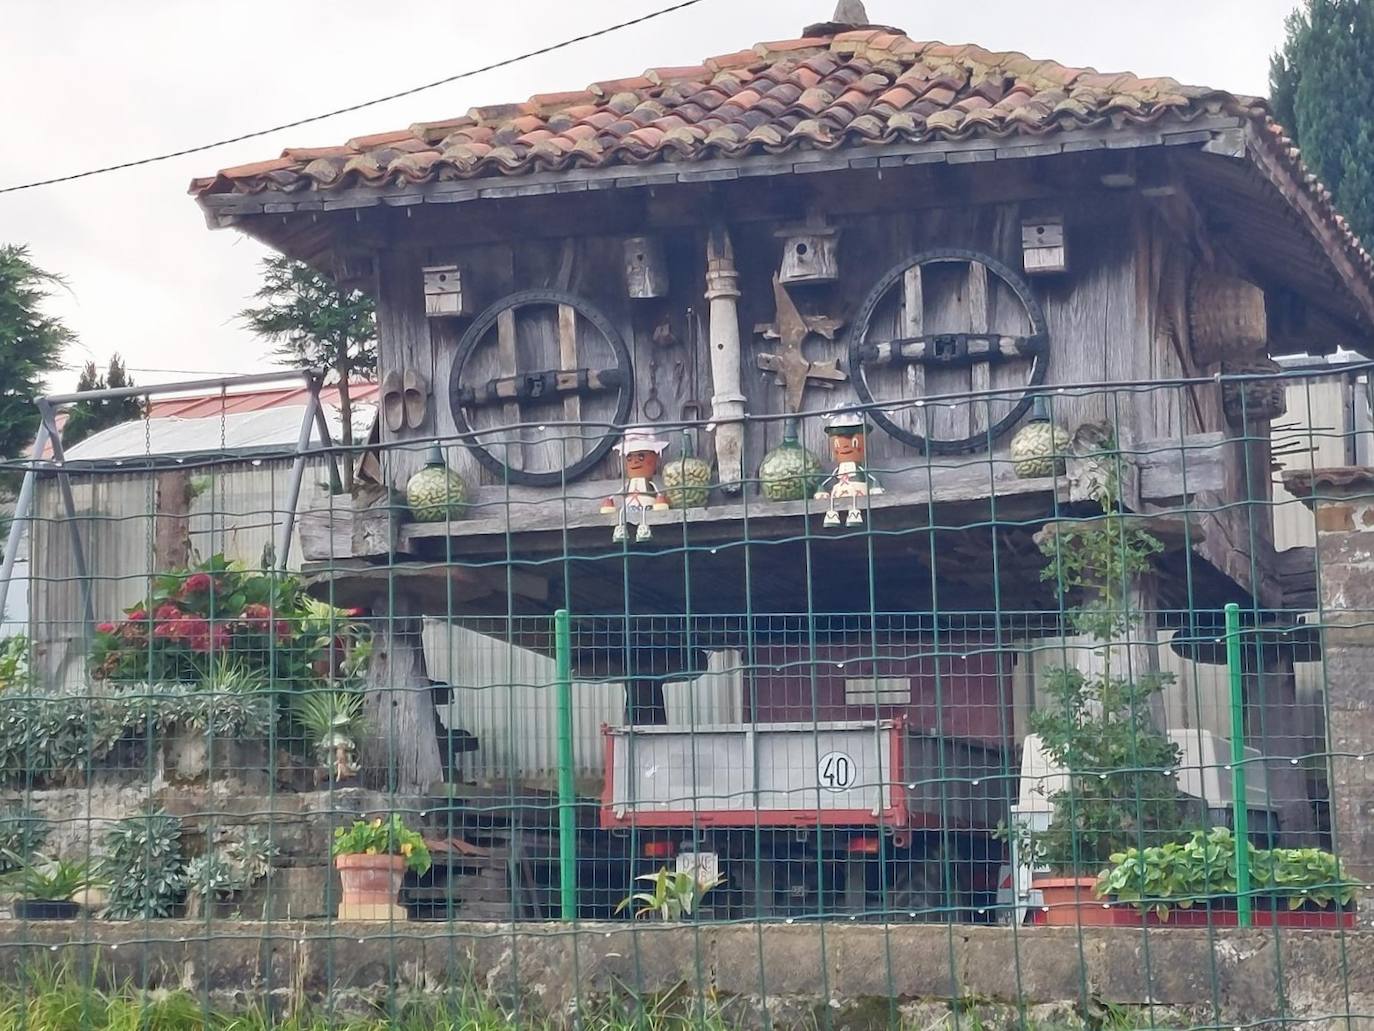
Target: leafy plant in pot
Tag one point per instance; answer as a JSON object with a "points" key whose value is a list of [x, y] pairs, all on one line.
{"points": [[372, 857], [1120, 789], [44, 887], [1196, 882]]}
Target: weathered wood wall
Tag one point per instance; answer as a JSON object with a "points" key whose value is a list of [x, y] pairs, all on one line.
{"points": [[1097, 315]]}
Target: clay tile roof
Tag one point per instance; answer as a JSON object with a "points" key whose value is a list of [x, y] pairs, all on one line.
{"points": [[838, 86]]}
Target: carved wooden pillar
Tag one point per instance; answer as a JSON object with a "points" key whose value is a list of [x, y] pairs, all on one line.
{"points": [[400, 752], [727, 397]]}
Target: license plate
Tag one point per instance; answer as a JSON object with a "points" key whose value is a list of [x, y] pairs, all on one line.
{"points": [[705, 866]]}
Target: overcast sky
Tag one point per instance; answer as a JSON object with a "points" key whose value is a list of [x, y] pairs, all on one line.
{"points": [[90, 82]]}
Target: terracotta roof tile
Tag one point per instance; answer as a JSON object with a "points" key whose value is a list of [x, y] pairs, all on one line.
{"points": [[836, 87]]}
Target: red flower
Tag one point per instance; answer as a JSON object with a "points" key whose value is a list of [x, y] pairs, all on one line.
{"points": [[208, 638], [133, 629], [138, 615], [258, 616], [168, 611], [283, 630], [196, 583], [105, 628]]}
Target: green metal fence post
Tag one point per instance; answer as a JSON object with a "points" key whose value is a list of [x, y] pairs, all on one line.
{"points": [[1239, 812], [567, 818]]}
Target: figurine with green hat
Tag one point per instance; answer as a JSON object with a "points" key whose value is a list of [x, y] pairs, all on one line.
{"points": [[847, 428]]}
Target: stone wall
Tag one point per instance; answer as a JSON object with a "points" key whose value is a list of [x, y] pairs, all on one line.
{"points": [[775, 974]]}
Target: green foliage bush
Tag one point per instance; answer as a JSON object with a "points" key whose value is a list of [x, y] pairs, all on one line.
{"points": [[61, 738], [1098, 728], [145, 866], [1205, 869]]}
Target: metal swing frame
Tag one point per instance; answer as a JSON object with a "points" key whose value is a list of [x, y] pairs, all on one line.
{"points": [[50, 433]]}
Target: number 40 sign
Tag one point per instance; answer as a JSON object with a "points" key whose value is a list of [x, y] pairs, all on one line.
{"points": [[836, 771]]}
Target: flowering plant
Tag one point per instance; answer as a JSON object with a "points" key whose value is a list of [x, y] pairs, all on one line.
{"points": [[196, 617], [378, 837]]}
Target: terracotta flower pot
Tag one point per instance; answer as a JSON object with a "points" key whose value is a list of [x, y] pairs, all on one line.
{"points": [[370, 880], [1071, 902]]}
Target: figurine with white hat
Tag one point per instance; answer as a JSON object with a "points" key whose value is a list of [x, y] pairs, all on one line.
{"points": [[847, 429], [640, 449]]}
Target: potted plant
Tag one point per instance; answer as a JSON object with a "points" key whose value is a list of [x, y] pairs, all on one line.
{"points": [[44, 887], [372, 858], [1195, 883], [1120, 790]]}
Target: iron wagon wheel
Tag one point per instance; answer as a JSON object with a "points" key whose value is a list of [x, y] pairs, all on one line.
{"points": [[918, 889], [541, 341], [936, 348]]}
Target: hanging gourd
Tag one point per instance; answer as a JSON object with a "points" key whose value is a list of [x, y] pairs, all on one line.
{"points": [[789, 472], [436, 493], [687, 479], [1039, 447]]}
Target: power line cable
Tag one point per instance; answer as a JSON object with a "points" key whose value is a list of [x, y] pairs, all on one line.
{"points": [[506, 62]]}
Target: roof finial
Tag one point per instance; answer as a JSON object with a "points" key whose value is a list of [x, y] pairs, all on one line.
{"points": [[850, 12]]}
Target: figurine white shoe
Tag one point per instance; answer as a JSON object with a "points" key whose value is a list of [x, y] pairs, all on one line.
{"points": [[643, 532], [619, 534], [832, 518], [854, 518]]}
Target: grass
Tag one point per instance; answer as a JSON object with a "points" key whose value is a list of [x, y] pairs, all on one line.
{"points": [[57, 999]]}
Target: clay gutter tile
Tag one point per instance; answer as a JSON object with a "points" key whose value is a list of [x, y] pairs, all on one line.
{"points": [[379, 139], [325, 171], [726, 62], [433, 132], [496, 113], [416, 167], [548, 103], [610, 87], [681, 73], [306, 154], [255, 168]]}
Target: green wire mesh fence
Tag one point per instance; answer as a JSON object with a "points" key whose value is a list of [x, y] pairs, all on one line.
{"points": [[1103, 686]]}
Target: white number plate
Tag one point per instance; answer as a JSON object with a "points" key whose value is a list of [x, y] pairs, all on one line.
{"points": [[837, 771], [705, 865]]}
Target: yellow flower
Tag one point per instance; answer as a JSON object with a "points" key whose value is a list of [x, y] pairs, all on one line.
{"points": [[407, 849], [377, 822], [371, 852]]}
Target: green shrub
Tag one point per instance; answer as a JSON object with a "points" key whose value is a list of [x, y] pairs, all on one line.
{"points": [[22, 832], [1204, 869], [145, 866]]}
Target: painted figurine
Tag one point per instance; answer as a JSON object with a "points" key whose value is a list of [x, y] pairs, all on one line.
{"points": [[850, 481], [641, 494]]}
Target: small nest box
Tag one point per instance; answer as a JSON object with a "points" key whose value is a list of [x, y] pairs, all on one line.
{"points": [[1042, 246], [646, 267], [810, 252], [444, 291]]}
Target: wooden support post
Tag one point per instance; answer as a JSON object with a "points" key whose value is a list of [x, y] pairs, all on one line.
{"points": [[727, 397], [913, 321], [981, 372], [400, 752]]}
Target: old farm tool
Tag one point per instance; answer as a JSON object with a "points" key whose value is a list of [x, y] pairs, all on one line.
{"points": [[582, 378], [990, 341], [789, 363]]}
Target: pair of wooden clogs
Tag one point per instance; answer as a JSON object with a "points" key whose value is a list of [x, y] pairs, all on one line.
{"points": [[405, 400]]}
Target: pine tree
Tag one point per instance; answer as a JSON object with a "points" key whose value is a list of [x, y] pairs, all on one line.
{"points": [[317, 326], [88, 417], [1322, 91], [31, 345]]}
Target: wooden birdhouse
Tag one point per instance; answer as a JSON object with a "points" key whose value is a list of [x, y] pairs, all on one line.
{"points": [[444, 291], [646, 267], [1043, 247], [810, 252]]}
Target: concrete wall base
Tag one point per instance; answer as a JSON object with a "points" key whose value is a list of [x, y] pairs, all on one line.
{"points": [[865, 976]]}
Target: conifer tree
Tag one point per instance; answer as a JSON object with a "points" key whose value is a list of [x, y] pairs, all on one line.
{"points": [[1322, 90]]}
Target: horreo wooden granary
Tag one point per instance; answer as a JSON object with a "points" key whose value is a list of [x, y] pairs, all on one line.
{"points": [[791, 355]]}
